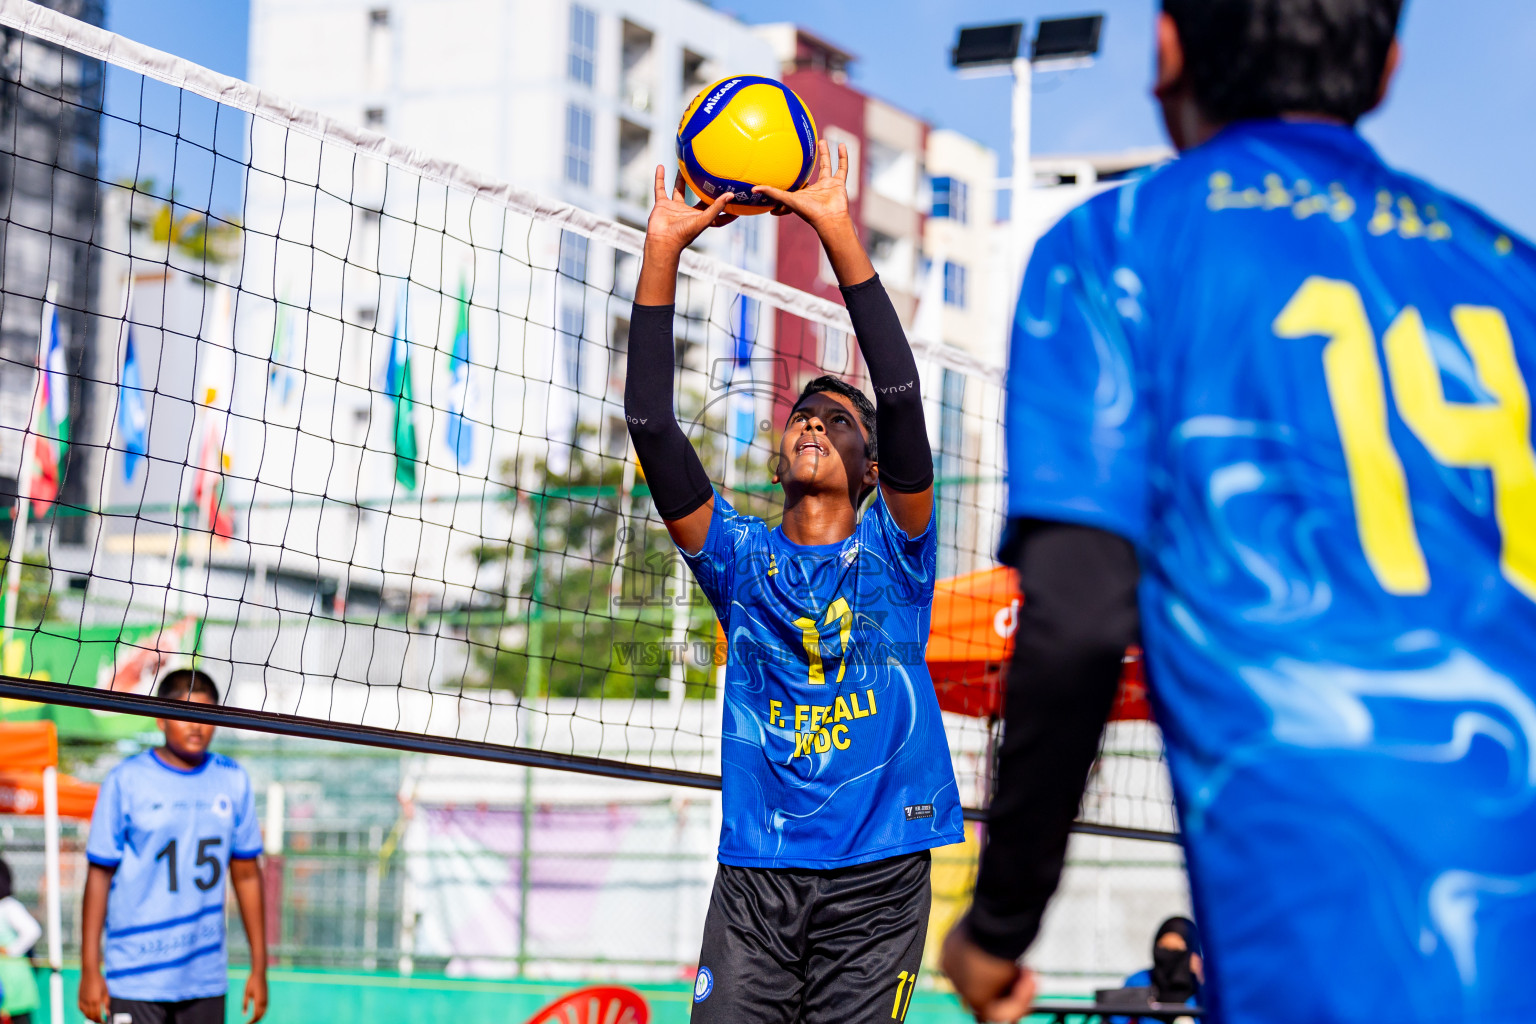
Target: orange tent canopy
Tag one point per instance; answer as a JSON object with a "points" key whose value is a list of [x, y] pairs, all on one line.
{"points": [[29, 745], [21, 792], [971, 638], [26, 748]]}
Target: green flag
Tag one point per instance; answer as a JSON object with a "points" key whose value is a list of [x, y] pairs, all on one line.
{"points": [[399, 388]]}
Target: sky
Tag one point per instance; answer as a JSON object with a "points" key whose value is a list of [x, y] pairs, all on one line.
{"points": [[1457, 115]]}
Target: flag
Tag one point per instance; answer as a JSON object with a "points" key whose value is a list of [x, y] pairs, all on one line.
{"points": [[132, 416], [208, 484], [461, 436], [280, 373], [397, 384], [745, 426], [50, 417]]}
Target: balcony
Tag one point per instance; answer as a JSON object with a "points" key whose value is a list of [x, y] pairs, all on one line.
{"points": [[636, 168], [637, 84]]}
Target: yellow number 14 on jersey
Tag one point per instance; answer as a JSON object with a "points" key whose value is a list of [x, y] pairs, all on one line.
{"points": [[1495, 436]]}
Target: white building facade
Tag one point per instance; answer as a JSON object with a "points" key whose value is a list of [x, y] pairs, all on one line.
{"points": [[575, 102]]}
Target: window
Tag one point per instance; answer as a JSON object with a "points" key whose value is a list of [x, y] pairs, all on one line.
{"points": [[835, 135], [570, 345], [583, 45], [626, 273], [638, 65], [573, 255], [695, 73], [578, 145], [954, 284], [378, 17], [834, 350], [951, 414], [635, 164], [950, 199], [892, 172], [373, 117]]}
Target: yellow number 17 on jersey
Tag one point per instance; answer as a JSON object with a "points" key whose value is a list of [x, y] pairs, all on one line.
{"points": [[1495, 436]]}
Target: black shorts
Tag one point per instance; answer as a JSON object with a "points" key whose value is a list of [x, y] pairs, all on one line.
{"points": [[209, 1010], [791, 945]]}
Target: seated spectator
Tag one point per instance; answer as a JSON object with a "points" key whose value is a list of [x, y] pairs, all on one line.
{"points": [[1176, 973], [19, 931]]}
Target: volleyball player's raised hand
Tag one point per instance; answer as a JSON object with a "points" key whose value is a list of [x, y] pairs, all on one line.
{"points": [[673, 224], [824, 202]]}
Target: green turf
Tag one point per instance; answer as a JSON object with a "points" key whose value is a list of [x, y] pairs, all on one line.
{"points": [[356, 997]]}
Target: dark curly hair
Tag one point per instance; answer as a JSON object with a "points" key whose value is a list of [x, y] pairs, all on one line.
{"points": [[1262, 58]]}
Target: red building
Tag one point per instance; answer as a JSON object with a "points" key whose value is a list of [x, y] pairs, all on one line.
{"points": [[885, 187]]}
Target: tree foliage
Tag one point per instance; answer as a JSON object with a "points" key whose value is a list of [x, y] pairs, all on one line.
{"points": [[37, 603], [159, 216], [568, 630]]}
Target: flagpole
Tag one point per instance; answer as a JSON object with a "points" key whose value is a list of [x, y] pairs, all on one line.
{"points": [[18, 549]]}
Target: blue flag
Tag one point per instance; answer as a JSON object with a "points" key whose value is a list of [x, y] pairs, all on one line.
{"points": [[745, 426], [132, 417], [461, 436]]}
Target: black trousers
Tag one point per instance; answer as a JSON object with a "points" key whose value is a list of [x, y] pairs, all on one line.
{"points": [[798, 946], [187, 1011]]}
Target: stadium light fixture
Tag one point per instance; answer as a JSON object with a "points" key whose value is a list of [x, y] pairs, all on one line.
{"points": [[986, 49], [1062, 43], [1059, 44]]}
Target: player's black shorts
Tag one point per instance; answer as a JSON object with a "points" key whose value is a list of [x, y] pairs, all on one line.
{"points": [[209, 1010], [786, 945]]}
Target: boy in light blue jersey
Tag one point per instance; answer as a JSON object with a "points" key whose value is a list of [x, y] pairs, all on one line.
{"points": [[169, 825]]}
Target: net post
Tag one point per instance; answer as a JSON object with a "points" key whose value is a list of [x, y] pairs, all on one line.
{"points": [[55, 897]]}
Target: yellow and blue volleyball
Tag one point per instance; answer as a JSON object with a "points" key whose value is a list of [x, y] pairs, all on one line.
{"points": [[743, 131]]}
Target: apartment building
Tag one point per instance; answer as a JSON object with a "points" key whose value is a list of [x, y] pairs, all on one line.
{"points": [[50, 128], [574, 101], [577, 101]]}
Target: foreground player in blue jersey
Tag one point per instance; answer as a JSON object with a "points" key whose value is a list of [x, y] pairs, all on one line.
{"points": [[1292, 387], [169, 825], [836, 774]]}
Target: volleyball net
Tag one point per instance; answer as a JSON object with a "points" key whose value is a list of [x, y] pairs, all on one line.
{"points": [[341, 422]]}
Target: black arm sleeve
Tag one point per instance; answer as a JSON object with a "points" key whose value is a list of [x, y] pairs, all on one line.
{"points": [[1078, 617], [901, 436], [672, 468]]}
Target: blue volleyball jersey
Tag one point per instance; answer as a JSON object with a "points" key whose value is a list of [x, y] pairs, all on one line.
{"points": [[170, 835], [1300, 381], [832, 748]]}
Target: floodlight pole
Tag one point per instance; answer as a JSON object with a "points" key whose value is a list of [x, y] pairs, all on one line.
{"points": [[1022, 179]]}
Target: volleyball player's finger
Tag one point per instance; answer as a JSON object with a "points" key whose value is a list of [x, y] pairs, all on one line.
{"points": [[842, 162], [778, 195], [679, 190], [715, 208], [661, 183]]}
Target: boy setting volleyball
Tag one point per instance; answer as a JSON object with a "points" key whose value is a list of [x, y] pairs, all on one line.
{"points": [[836, 776], [170, 825], [1290, 387]]}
